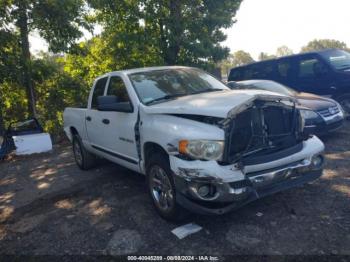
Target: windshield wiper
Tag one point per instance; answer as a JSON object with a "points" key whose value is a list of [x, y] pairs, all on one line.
{"points": [[207, 90], [166, 97]]}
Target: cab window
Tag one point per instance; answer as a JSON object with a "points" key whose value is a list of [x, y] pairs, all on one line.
{"points": [[284, 69], [311, 68], [236, 74], [98, 91], [117, 88]]}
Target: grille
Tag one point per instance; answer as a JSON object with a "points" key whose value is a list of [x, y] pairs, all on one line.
{"points": [[240, 184], [259, 130], [331, 111]]}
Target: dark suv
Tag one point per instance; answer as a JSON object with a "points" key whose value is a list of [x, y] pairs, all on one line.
{"points": [[325, 73]]}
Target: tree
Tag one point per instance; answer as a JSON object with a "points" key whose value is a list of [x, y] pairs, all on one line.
{"points": [[57, 21], [9, 69], [283, 51], [178, 32], [320, 44], [265, 56], [238, 58]]}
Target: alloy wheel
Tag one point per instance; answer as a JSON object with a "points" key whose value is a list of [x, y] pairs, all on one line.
{"points": [[161, 189]]}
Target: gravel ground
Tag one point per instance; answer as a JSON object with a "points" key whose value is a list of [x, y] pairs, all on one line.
{"points": [[50, 207]]}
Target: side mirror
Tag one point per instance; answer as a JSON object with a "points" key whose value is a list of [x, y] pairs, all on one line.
{"points": [[110, 103]]}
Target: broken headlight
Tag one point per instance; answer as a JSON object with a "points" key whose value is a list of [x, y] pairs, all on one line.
{"points": [[202, 149]]}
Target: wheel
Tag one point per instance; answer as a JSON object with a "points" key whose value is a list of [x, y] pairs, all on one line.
{"points": [[84, 159], [162, 189], [344, 101]]}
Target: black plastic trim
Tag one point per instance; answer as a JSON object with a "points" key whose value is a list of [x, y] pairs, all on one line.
{"points": [[274, 156], [130, 160]]}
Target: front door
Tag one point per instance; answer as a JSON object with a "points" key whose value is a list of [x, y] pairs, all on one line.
{"points": [[313, 75], [93, 117], [118, 127]]}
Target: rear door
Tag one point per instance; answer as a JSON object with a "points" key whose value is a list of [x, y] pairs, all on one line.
{"points": [[313, 75], [286, 72]]}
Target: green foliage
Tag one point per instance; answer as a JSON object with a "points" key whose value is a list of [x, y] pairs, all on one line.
{"points": [[265, 56], [10, 74], [136, 33], [320, 44], [57, 21], [166, 31], [56, 89], [238, 58], [283, 51]]}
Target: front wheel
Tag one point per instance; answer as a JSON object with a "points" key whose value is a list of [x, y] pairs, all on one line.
{"points": [[162, 189]]}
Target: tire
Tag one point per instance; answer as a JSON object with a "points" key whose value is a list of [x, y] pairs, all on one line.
{"points": [[344, 101], [163, 192], [84, 159]]}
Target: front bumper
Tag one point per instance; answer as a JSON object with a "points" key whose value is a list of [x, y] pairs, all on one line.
{"points": [[325, 125], [255, 182], [246, 195]]}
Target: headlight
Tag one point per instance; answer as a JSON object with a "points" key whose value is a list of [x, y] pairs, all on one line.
{"points": [[202, 149], [308, 114], [340, 108]]}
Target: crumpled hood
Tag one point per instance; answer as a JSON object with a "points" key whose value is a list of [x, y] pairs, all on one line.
{"points": [[215, 104]]}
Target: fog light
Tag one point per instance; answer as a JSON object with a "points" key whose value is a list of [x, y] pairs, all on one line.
{"points": [[317, 161], [203, 191]]}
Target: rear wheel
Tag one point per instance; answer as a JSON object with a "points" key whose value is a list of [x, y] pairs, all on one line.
{"points": [[162, 189], [84, 159]]}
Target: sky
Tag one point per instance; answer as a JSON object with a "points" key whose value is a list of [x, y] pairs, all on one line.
{"points": [[265, 25]]}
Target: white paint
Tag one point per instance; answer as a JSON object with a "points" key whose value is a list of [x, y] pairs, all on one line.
{"points": [[30, 144], [185, 230]]}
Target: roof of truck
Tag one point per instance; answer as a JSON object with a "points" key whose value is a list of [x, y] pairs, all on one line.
{"points": [[145, 69], [287, 56]]}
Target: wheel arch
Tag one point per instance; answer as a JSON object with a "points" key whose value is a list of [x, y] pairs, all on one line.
{"points": [[150, 148]]}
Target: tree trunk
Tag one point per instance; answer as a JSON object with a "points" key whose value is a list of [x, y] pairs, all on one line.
{"points": [[175, 33], [25, 57], [2, 124]]}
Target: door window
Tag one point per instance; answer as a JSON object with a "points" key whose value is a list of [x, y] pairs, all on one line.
{"points": [[311, 68], [98, 91], [235, 74], [117, 88], [284, 69]]}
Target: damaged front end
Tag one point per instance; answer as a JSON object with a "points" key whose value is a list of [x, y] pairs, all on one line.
{"points": [[265, 151], [260, 129]]}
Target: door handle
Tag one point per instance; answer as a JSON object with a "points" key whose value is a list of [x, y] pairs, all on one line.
{"points": [[88, 118], [105, 121]]}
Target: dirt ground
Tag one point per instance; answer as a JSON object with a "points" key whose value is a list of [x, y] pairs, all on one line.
{"points": [[50, 207]]}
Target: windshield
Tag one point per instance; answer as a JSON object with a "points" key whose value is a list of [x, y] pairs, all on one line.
{"points": [[340, 60], [160, 85], [268, 86]]}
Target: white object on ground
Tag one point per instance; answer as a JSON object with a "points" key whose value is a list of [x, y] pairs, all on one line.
{"points": [[185, 230], [34, 143]]}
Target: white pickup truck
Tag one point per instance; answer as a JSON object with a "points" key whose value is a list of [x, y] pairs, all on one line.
{"points": [[202, 146]]}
